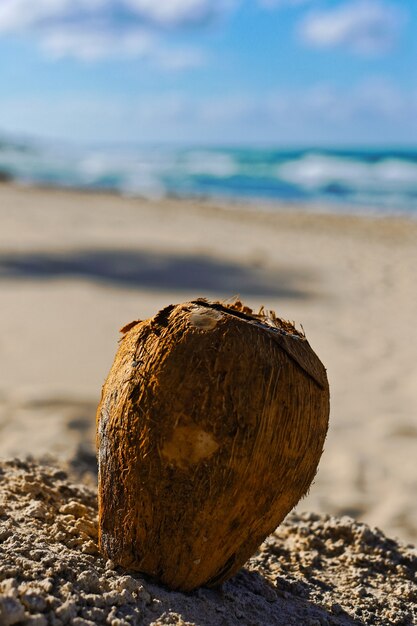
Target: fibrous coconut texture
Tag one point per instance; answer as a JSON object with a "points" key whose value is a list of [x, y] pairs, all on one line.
{"points": [[210, 429]]}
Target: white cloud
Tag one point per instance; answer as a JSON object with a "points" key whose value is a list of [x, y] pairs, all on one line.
{"points": [[94, 45], [94, 29], [373, 111], [378, 96], [90, 46], [21, 15], [278, 4], [24, 15], [178, 12], [364, 26]]}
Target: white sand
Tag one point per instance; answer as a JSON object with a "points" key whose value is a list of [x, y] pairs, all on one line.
{"points": [[76, 267], [314, 571]]}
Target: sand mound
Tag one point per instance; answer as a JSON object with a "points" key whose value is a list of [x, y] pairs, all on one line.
{"points": [[313, 571]]}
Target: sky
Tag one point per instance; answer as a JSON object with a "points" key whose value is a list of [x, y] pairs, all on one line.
{"points": [[224, 72]]}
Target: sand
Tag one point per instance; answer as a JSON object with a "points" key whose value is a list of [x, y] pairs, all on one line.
{"points": [[314, 571], [75, 267]]}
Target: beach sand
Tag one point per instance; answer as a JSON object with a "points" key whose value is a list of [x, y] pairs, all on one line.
{"points": [[313, 571], [75, 267]]}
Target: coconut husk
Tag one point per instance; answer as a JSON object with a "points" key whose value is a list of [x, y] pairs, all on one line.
{"points": [[210, 429]]}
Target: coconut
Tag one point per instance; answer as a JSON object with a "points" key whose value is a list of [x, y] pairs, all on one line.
{"points": [[210, 428]]}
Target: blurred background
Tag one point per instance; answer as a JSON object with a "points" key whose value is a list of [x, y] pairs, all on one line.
{"points": [[154, 151], [301, 100]]}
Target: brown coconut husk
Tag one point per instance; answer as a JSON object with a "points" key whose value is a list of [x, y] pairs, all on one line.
{"points": [[210, 429]]}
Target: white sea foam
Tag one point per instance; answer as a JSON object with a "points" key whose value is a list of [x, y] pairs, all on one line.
{"points": [[131, 174], [313, 171], [380, 179], [398, 172], [316, 171]]}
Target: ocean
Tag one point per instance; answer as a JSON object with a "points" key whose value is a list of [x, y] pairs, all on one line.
{"points": [[378, 181]]}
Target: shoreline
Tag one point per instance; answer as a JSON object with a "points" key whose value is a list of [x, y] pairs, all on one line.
{"points": [[76, 267], [257, 206]]}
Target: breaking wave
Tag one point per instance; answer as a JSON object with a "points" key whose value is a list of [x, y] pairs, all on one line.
{"points": [[382, 181]]}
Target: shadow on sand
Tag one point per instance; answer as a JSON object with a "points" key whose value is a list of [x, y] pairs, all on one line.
{"points": [[145, 270], [249, 598]]}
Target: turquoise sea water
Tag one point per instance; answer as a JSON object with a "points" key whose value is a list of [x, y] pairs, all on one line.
{"points": [[377, 180]]}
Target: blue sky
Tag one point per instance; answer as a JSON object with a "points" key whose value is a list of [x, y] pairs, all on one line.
{"points": [[282, 72]]}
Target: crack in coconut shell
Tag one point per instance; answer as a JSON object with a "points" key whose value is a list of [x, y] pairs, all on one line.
{"points": [[283, 332]]}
